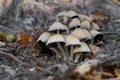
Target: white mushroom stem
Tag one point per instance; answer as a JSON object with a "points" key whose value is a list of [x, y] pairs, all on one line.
{"points": [[67, 53], [58, 55], [71, 53], [62, 51], [77, 57]]}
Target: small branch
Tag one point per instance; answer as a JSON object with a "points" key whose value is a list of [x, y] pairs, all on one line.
{"points": [[10, 56], [44, 70]]}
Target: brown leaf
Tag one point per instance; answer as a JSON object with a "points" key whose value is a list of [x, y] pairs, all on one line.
{"points": [[108, 71], [95, 49], [117, 72], [98, 15], [117, 2], [25, 39], [40, 65]]}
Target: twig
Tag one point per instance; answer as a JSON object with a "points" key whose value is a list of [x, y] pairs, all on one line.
{"points": [[10, 56], [44, 70]]}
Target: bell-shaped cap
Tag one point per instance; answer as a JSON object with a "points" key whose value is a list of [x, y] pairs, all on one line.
{"points": [[55, 38], [80, 34], [96, 35], [72, 40], [94, 26], [44, 37], [85, 25], [58, 26], [63, 13], [71, 13], [83, 48], [88, 35], [84, 17], [74, 23]]}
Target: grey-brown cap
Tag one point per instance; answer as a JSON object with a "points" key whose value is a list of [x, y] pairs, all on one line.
{"points": [[85, 25], [74, 23], [72, 40], [84, 48], [44, 37], [55, 38], [58, 26]]}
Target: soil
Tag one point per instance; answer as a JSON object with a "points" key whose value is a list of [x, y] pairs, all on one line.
{"points": [[25, 68]]}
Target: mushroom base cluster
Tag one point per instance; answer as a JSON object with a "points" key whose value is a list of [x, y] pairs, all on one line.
{"points": [[70, 34]]}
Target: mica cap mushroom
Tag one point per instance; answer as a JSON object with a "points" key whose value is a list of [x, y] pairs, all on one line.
{"points": [[74, 23], [58, 26], [72, 41], [85, 25], [57, 39], [80, 34]]}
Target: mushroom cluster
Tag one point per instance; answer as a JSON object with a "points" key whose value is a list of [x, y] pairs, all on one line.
{"points": [[69, 35]]}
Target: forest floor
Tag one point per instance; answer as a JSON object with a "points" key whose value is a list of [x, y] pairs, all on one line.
{"points": [[26, 63]]}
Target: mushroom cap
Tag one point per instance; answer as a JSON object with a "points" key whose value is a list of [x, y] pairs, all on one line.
{"points": [[79, 33], [88, 35], [71, 13], [96, 35], [83, 48], [55, 38], [84, 17], [85, 25], [63, 13], [74, 23], [94, 26], [72, 40], [57, 26], [44, 37]]}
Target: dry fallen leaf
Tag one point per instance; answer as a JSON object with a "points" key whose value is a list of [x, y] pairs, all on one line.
{"points": [[98, 15], [117, 2], [40, 65], [25, 39], [117, 72]]}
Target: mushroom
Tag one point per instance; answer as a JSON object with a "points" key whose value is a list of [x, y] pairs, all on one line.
{"points": [[85, 25], [84, 17], [81, 50], [72, 14], [57, 39], [81, 34], [74, 23], [97, 36], [44, 37], [72, 41], [94, 26], [57, 26], [89, 37], [62, 17]]}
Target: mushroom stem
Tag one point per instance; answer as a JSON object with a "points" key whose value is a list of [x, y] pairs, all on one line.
{"points": [[71, 53], [56, 52], [77, 57], [62, 51], [58, 32], [67, 53]]}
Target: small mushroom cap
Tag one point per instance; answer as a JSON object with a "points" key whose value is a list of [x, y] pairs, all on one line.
{"points": [[84, 17], [55, 38], [58, 26], [89, 37], [84, 48], [71, 13], [72, 40], [74, 23], [85, 25], [96, 35], [79, 33], [44, 37], [94, 26], [63, 13]]}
